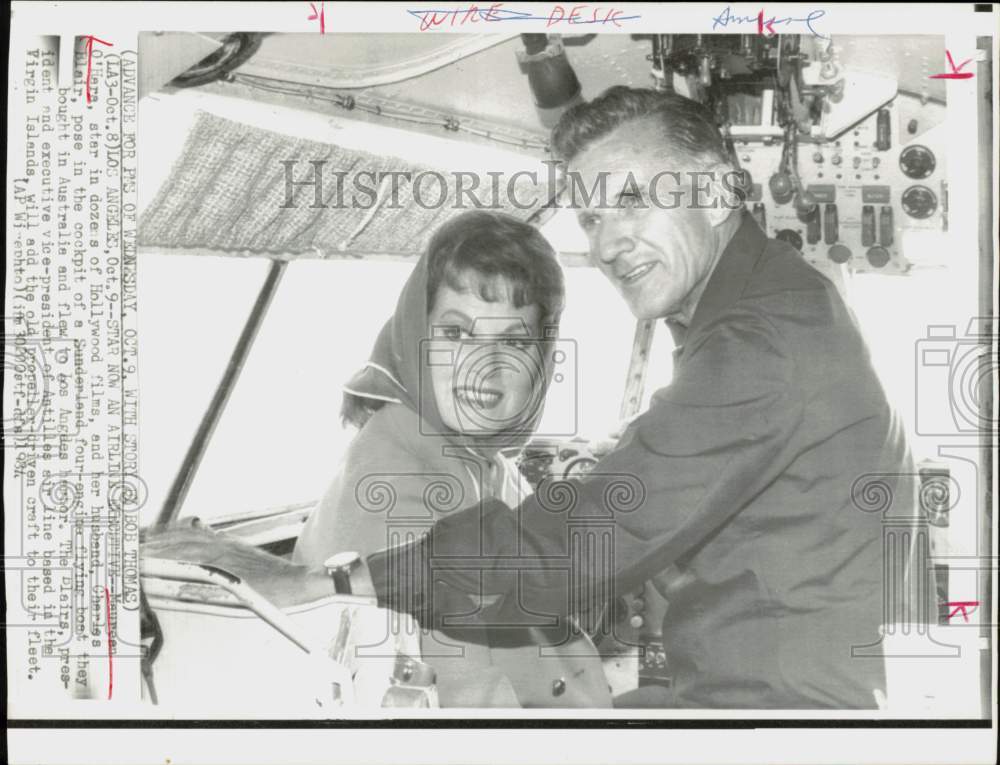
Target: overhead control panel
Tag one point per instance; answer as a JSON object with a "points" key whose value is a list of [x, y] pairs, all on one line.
{"points": [[837, 160], [866, 188]]}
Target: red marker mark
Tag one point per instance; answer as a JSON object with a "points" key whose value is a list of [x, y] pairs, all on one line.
{"points": [[761, 25], [90, 51], [956, 72], [321, 15], [960, 607], [111, 672]]}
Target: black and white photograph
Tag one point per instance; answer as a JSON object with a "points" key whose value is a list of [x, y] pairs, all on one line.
{"points": [[523, 365]]}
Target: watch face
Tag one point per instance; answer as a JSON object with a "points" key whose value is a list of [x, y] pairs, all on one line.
{"points": [[343, 560]]}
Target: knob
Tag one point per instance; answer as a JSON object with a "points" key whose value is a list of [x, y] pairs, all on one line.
{"points": [[636, 621], [339, 566], [791, 237], [805, 204], [639, 604], [837, 159], [828, 71], [917, 162], [559, 687], [918, 202], [781, 187], [877, 256], [912, 126], [839, 253], [818, 157]]}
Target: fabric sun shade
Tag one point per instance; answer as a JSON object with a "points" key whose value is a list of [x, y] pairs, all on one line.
{"points": [[228, 189]]}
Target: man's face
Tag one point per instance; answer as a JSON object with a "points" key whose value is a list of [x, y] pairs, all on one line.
{"points": [[646, 237]]}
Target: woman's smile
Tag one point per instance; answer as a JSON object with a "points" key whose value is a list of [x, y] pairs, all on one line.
{"points": [[481, 398]]}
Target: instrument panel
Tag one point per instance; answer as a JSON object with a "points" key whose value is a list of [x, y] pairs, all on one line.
{"points": [[880, 179]]}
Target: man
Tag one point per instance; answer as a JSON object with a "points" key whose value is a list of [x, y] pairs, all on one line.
{"points": [[743, 468]]}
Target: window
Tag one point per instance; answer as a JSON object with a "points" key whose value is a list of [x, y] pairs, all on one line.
{"points": [[279, 440]]}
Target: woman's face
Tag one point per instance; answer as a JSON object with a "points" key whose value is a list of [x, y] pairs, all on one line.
{"points": [[485, 362]]}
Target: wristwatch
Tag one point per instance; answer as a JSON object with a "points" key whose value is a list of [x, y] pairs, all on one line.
{"points": [[340, 566], [350, 575]]}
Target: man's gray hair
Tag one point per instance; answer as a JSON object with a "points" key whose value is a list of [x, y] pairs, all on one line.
{"points": [[688, 128]]}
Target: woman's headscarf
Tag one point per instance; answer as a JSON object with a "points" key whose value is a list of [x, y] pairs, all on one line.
{"points": [[393, 373]]}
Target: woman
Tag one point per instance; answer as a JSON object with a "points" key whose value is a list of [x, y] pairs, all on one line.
{"points": [[456, 379]]}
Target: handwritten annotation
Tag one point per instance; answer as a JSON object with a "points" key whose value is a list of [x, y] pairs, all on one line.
{"points": [[473, 14], [90, 53], [961, 607], [319, 15], [956, 72], [763, 23]]}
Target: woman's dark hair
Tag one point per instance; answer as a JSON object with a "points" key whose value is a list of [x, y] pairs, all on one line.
{"points": [[499, 257]]}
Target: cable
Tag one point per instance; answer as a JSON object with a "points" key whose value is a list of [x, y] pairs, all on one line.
{"points": [[351, 103]]}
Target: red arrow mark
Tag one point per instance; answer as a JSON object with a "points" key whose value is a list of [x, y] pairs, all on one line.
{"points": [[321, 15], [90, 51], [960, 607], [761, 25], [956, 72]]}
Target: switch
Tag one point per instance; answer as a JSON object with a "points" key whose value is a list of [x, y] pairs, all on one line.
{"points": [[856, 162], [813, 228], [885, 226], [760, 215], [883, 130], [867, 226], [875, 162], [877, 256], [839, 253], [831, 224]]}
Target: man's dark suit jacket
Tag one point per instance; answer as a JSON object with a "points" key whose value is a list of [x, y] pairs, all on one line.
{"points": [[748, 472]]}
